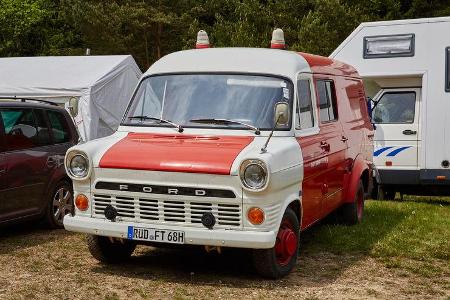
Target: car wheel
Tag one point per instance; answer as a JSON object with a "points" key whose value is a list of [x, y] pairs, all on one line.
{"points": [[278, 261], [110, 251], [60, 204], [352, 213]]}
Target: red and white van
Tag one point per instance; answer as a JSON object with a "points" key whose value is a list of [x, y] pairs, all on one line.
{"points": [[227, 147]]}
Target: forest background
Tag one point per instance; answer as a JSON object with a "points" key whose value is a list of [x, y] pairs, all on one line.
{"points": [[149, 29]]}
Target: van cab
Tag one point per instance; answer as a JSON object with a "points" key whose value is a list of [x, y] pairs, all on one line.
{"points": [[227, 147]]}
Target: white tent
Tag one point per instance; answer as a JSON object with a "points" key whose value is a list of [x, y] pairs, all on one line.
{"points": [[103, 85]]}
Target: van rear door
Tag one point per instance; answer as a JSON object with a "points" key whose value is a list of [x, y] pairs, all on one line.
{"points": [[396, 113]]}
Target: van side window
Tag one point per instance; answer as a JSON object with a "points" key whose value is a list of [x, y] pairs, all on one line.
{"points": [[305, 117], [327, 100], [395, 108], [60, 130], [20, 128]]}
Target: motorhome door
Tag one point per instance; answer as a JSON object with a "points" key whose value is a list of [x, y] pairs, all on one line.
{"points": [[397, 135]]}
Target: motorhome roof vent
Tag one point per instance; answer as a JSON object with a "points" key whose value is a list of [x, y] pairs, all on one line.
{"points": [[202, 40], [277, 41]]}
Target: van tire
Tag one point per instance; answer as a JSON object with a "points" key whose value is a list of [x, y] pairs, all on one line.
{"points": [[270, 264], [105, 251], [352, 213]]}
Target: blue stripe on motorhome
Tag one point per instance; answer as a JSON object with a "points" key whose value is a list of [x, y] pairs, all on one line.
{"points": [[397, 151], [381, 150]]}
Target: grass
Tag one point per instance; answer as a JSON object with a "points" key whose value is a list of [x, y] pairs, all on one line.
{"points": [[413, 230]]}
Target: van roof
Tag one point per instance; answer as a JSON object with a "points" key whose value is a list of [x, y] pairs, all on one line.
{"points": [[248, 60]]}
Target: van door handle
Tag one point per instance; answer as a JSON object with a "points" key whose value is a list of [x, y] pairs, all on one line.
{"points": [[344, 138], [409, 132], [2, 171], [325, 146]]}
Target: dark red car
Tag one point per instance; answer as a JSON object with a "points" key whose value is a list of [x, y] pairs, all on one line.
{"points": [[34, 137]]}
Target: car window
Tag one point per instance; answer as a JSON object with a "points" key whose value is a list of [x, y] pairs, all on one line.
{"points": [[43, 133], [327, 100], [305, 118], [395, 108], [21, 131], [60, 129]]}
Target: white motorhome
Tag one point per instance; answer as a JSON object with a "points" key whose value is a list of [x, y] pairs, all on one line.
{"points": [[405, 65]]}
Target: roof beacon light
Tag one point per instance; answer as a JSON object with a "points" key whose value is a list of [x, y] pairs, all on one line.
{"points": [[277, 41], [202, 40]]}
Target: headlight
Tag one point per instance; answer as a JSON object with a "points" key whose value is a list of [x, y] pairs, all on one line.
{"points": [[77, 164], [253, 174]]}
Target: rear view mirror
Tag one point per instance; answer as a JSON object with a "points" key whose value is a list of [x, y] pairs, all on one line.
{"points": [[281, 114], [73, 106]]}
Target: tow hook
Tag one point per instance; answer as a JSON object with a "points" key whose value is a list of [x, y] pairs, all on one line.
{"points": [[210, 249]]}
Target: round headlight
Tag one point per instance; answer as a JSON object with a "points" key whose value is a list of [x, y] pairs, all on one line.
{"points": [[78, 166], [254, 174]]}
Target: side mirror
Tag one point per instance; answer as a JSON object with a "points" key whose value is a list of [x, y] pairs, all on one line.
{"points": [[281, 114], [73, 106]]}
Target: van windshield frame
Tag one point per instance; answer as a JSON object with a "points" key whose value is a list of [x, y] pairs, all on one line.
{"points": [[241, 81]]}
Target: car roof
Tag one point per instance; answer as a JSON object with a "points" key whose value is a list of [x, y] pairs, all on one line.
{"points": [[30, 104]]}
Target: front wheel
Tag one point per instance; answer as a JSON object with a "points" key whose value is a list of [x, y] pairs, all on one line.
{"points": [[59, 205], [111, 251], [278, 261]]}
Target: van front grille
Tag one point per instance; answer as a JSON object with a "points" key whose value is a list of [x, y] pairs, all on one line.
{"points": [[167, 211]]}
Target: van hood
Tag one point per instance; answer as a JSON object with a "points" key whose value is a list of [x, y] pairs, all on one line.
{"points": [[175, 153]]}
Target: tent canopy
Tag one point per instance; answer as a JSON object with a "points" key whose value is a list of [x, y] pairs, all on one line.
{"points": [[103, 85]]}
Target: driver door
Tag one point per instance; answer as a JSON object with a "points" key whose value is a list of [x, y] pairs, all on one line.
{"points": [[396, 113]]}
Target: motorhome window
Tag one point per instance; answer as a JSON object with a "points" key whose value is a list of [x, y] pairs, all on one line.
{"points": [[180, 98], [60, 130], [388, 46], [395, 108], [305, 118], [20, 128], [327, 100], [447, 69]]}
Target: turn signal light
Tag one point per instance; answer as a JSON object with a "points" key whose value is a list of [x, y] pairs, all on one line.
{"points": [[255, 215], [82, 202], [441, 177]]}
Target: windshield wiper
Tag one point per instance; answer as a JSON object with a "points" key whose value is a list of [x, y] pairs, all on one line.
{"points": [[180, 129], [225, 122]]}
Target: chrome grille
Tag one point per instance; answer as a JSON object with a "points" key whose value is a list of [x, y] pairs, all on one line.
{"points": [[167, 211]]}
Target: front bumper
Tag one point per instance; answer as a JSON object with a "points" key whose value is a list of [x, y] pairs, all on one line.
{"points": [[193, 236]]}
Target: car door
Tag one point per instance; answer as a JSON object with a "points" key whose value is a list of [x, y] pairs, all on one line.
{"points": [[26, 157], [309, 138], [396, 114], [332, 143]]}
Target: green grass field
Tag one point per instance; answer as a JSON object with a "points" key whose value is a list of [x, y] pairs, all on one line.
{"points": [[412, 233]]}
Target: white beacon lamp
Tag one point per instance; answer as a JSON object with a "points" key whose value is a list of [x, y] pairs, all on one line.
{"points": [[202, 40], [277, 41]]}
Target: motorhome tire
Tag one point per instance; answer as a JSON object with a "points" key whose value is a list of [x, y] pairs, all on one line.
{"points": [[107, 251], [278, 261]]}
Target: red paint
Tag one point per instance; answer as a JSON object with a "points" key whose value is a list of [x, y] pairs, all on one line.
{"points": [[332, 173], [175, 153], [326, 65]]}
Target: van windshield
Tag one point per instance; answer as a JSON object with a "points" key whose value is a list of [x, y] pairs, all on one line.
{"points": [[183, 99]]}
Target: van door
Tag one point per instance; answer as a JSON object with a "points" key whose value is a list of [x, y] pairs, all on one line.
{"points": [[333, 144], [396, 113]]}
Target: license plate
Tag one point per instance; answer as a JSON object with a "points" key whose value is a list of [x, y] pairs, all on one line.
{"points": [[155, 235]]}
